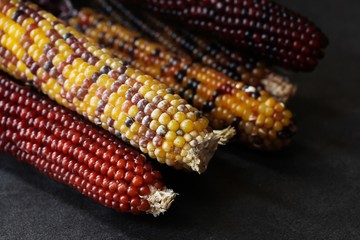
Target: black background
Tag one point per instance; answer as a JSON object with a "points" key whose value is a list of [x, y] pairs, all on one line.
{"points": [[310, 190]]}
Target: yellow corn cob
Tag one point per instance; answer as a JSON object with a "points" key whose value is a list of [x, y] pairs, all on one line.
{"points": [[78, 74], [261, 121]]}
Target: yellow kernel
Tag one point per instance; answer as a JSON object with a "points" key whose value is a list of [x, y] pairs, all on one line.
{"points": [[122, 118], [27, 22], [246, 114], [198, 126], [67, 71], [160, 153], [150, 95], [73, 75], [21, 66], [155, 87], [135, 127], [156, 114], [285, 121], [269, 122], [115, 65], [187, 137], [183, 153], [154, 124], [161, 92], [68, 84], [204, 122], [115, 112], [77, 62], [37, 54], [117, 125], [89, 71], [102, 80], [129, 71], [144, 89], [187, 125], [260, 120], [123, 128], [136, 74], [35, 32], [171, 110], [94, 101], [269, 111], [133, 110], [113, 98], [107, 110], [169, 97], [170, 135], [287, 114], [170, 156], [191, 116], [240, 109], [164, 118], [79, 79], [129, 135], [167, 146], [262, 108], [277, 126], [90, 111], [59, 58], [279, 107], [179, 142], [180, 116], [173, 125], [122, 90], [120, 101], [270, 102]]}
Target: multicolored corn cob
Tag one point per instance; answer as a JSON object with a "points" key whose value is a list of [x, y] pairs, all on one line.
{"points": [[231, 62], [79, 75], [263, 27], [63, 146], [261, 121]]}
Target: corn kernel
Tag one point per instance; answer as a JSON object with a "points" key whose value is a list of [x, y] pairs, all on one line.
{"points": [[187, 126], [179, 141]]}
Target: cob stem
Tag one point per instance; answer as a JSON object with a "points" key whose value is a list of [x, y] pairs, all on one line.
{"points": [[279, 86], [160, 200]]}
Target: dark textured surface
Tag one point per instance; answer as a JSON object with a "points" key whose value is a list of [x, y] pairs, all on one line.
{"points": [[311, 190]]}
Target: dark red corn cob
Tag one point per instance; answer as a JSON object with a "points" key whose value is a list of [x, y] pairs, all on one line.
{"points": [[231, 62], [68, 149], [263, 27]]}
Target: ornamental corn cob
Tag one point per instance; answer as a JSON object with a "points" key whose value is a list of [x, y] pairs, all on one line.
{"points": [[65, 147], [261, 121], [264, 27], [78, 74], [234, 64]]}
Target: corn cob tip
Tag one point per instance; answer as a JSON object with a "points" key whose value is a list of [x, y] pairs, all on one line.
{"points": [[199, 157], [225, 135], [160, 200], [279, 86]]}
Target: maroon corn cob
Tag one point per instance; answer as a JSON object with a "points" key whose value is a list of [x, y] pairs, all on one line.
{"points": [[70, 150], [263, 27], [235, 64]]}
